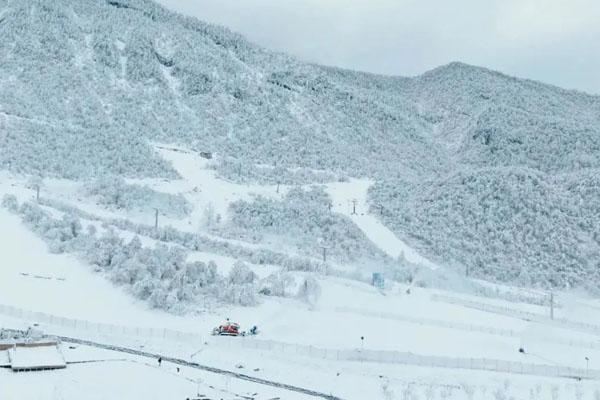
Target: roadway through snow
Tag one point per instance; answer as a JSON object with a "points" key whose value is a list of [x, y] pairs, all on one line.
{"points": [[185, 363]]}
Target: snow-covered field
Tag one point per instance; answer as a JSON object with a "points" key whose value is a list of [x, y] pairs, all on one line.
{"points": [[350, 317]]}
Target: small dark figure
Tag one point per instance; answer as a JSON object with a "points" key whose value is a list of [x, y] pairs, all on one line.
{"points": [[521, 350], [177, 369], [159, 361], [254, 330]]}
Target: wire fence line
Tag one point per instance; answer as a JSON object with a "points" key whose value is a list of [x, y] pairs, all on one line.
{"points": [[431, 322], [407, 358], [99, 327], [355, 355], [524, 315], [510, 333]]}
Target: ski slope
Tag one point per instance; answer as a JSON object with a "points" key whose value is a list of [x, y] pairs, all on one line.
{"points": [[350, 199], [391, 320]]}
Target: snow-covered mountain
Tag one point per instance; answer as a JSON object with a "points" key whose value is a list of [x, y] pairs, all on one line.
{"points": [[476, 168]]}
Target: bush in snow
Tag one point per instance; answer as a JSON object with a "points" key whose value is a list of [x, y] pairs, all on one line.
{"points": [[61, 235], [199, 242], [10, 202], [276, 284], [114, 192], [309, 291], [241, 274], [159, 275], [240, 286], [245, 171]]}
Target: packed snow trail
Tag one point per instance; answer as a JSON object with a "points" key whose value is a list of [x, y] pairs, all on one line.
{"points": [[190, 364], [195, 173], [350, 199]]}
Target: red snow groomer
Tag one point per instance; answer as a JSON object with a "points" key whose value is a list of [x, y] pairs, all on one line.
{"points": [[227, 329]]}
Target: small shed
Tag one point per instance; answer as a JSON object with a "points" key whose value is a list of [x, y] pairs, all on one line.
{"points": [[32, 356]]}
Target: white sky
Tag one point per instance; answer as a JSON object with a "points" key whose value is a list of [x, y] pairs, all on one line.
{"points": [[554, 41]]}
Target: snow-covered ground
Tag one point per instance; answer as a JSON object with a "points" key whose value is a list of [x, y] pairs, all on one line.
{"points": [[101, 374], [349, 316]]}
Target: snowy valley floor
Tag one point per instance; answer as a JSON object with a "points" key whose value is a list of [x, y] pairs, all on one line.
{"points": [[318, 347]]}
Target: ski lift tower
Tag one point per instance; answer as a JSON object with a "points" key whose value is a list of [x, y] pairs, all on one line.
{"points": [[354, 202], [324, 247]]}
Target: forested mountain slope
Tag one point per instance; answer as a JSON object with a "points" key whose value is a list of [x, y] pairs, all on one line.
{"points": [[108, 75], [474, 167]]}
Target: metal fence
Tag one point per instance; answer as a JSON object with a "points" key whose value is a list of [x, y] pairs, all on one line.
{"points": [[356, 355], [586, 344], [406, 358], [525, 315], [98, 327]]}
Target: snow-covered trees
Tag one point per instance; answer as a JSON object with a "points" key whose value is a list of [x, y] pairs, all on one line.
{"points": [[509, 224], [309, 291], [209, 218], [240, 285], [303, 219], [246, 172], [10, 202], [91, 100], [158, 274], [180, 80], [114, 192], [277, 284]]}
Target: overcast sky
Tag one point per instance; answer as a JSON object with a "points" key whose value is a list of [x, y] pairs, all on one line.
{"points": [[554, 41]]}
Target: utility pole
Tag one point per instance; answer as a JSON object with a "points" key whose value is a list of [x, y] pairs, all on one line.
{"points": [[354, 201], [156, 218], [324, 248], [551, 305], [362, 348], [587, 367]]}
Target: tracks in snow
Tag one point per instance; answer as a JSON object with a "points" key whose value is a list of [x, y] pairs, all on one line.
{"points": [[184, 363]]}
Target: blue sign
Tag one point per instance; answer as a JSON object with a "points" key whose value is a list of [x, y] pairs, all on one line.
{"points": [[378, 280]]}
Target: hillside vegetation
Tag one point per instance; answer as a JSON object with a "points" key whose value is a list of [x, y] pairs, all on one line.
{"points": [[513, 224], [488, 172]]}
